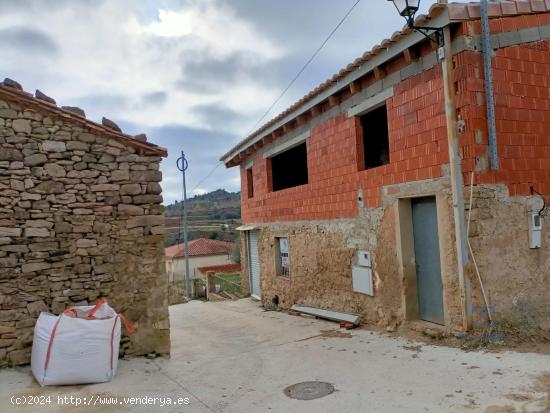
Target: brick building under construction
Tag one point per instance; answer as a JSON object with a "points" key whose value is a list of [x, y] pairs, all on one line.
{"points": [[347, 196]]}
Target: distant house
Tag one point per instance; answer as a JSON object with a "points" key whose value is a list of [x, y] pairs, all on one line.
{"points": [[348, 197], [203, 252]]}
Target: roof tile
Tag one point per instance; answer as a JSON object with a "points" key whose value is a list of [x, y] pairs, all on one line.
{"points": [[494, 9], [473, 10], [460, 12], [523, 7], [509, 8], [457, 12], [199, 247], [538, 5]]}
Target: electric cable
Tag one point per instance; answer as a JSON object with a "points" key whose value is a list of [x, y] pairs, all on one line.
{"points": [[294, 79]]}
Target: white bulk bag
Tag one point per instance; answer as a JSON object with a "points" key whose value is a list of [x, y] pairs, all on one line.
{"points": [[77, 347]]}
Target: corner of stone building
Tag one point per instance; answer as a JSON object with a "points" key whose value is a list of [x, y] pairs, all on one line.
{"points": [[515, 276], [80, 218]]}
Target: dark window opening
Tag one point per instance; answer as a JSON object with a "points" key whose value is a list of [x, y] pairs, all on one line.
{"points": [[376, 144], [250, 182], [289, 169]]}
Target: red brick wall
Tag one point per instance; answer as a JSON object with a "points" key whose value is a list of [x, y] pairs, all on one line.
{"points": [[522, 109], [418, 137]]}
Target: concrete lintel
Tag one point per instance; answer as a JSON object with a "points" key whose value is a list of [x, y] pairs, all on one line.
{"points": [[528, 35], [509, 39], [429, 61], [371, 103], [328, 314], [414, 189], [411, 70], [544, 32], [391, 80], [246, 228], [289, 144]]}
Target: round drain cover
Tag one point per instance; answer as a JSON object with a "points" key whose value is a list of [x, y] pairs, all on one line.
{"points": [[309, 390]]}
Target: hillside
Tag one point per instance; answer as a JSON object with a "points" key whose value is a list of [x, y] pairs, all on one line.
{"points": [[212, 215]]}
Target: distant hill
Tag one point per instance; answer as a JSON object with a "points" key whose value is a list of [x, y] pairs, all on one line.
{"points": [[213, 215]]}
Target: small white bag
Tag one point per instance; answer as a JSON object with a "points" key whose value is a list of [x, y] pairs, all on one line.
{"points": [[77, 347]]}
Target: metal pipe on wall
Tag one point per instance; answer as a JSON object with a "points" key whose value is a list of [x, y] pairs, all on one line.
{"points": [[489, 89], [457, 184]]}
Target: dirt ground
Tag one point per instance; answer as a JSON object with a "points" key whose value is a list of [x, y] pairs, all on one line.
{"points": [[235, 357], [498, 339]]}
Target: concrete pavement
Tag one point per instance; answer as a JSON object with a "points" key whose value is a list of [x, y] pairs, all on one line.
{"points": [[234, 357]]}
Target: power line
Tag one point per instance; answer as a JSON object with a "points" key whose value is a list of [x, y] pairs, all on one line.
{"points": [[306, 64], [294, 79], [207, 175]]}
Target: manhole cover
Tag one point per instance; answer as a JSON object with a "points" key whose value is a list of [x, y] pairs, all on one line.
{"points": [[309, 390]]}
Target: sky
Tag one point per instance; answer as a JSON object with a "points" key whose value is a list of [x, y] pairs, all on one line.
{"points": [[194, 75]]}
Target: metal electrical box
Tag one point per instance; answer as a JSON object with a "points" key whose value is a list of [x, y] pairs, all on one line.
{"points": [[362, 274], [363, 258], [535, 230], [362, 280]]}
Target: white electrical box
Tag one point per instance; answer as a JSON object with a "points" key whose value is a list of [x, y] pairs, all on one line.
{"points": [[535, 230], [362, 280], [363, 258]]}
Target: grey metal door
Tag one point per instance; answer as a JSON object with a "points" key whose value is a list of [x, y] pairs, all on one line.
{"points": [[254, 264], [428, 265]]}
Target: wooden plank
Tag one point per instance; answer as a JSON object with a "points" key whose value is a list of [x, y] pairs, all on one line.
{"points": [[355, 86], [379, 73], [410, 55], [327, 314], [333, 100]]}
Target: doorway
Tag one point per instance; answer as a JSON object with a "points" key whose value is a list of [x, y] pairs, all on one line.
{"points": [[429, 285], [253, 264]]}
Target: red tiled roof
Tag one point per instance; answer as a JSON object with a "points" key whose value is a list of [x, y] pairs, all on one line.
{"points": [[201, 246], [457, 12], [22, 97], [226, 268]]}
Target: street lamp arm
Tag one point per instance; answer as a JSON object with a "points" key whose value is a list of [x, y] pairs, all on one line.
{"points": [[438, 31]]}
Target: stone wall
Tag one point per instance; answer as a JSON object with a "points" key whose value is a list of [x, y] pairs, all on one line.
{"points": [[516, 277], [80, 218], [322, 254]]}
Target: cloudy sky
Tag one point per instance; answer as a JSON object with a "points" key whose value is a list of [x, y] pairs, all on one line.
{"points": [[195, 75]]}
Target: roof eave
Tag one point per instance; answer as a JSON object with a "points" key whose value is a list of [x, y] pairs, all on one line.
{"points": [[438, 17]]}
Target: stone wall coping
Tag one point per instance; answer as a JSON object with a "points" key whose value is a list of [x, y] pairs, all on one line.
{"points": [[22, 97]]}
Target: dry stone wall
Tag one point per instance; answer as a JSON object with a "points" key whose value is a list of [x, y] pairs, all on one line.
{"points": [[80, 218]]}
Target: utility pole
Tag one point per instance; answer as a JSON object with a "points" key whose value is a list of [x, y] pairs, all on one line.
{"points": [[182, 165], [457, 183]]}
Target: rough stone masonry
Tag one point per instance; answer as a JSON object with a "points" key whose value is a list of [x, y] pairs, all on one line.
{"points": [[80, 218]]}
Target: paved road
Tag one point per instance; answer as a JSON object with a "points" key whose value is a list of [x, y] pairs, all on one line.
{"points": [[233, 357]]}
